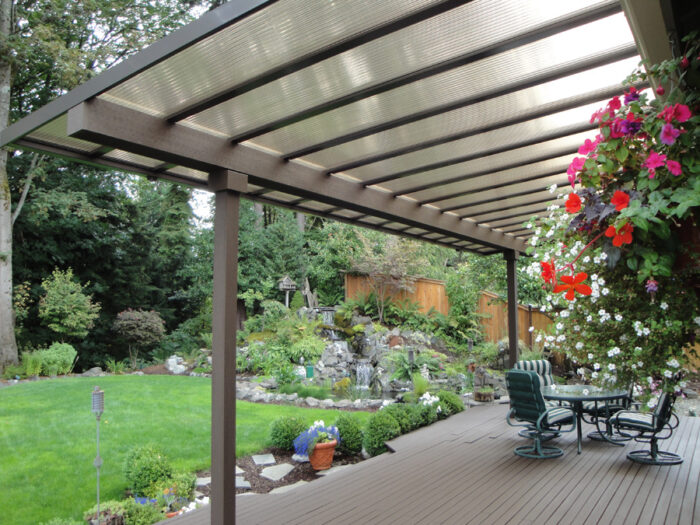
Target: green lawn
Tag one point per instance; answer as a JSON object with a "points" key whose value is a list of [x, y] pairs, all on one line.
{"points": [[47, 437]]}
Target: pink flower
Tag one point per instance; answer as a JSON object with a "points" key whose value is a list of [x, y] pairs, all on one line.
{"points": [[681, 112], [654, 160], [588, 146], [614, 103], [669, 134], [674, 167], [576, 165]]}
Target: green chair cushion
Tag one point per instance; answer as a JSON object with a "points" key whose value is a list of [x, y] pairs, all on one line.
{"points": [[641, 421], [559, 415]]}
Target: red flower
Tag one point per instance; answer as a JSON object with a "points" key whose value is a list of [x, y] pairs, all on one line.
{"points": [[548, 272], [573, 203], [623, 236], [685, 62], [614, 103], [620, 200], [572, 285]]}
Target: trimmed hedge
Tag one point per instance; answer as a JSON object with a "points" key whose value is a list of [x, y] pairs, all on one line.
{"points": [[381, 427], [350, 434], [285, 430]]}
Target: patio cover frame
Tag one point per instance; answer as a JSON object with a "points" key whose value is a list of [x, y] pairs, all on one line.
{"points": [[235, 166]]}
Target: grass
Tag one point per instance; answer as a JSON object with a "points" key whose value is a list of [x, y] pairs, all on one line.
{"points": [[47, 437]]}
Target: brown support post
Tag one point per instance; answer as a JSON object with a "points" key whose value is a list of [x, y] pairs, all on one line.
{"points": [[511, 257], [227, 186]]}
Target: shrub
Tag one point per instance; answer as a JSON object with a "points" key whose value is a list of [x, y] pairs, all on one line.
{"points": [[450, 402], [141, 514], [57, 359], [140, 328], [144, 467], [398, 412], [350, 434], [32, 363], [340, 388], [111, 513], [428, 414], [309, 347], [285, 430], [420, 384], [296, 302], [302, 390], [13, 371], [381, 427], [64, 307], [115, 367], [414, 414]]}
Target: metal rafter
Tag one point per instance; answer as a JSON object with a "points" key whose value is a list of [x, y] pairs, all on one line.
{"points": [[124, 128], [566, 70], [314, 58], [526, 37], [549, 109]]}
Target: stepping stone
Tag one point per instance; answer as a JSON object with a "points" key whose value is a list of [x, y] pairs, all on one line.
{"points": [[264, 459], [287, 488], [300, 459], [239, 470], [242, 483], [277, 472], [331, 470], [203, 482]]}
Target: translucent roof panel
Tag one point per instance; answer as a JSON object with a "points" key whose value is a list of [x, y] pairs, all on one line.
{"points": [[485, 143], [54, 132], [263, 40], [474, 80], [514, 158], [473, 27]]}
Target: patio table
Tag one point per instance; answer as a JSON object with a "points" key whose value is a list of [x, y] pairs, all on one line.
{"points": [[576, 395]]}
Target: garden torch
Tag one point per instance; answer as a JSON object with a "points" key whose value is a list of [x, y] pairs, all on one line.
{"points": [[98, 406]]}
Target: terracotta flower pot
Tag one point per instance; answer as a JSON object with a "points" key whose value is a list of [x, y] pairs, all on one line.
{"points": [[322, 456], [170, 514]]}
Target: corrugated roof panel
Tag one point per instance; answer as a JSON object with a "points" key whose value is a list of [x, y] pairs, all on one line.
{"points": [[472, 27]]}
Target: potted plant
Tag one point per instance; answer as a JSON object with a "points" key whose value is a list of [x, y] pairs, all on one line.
{"points": [[483, 394], [622, 276], [318, 442]]}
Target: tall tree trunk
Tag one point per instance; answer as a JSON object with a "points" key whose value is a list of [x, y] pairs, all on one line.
{"points": [[8, 345]]}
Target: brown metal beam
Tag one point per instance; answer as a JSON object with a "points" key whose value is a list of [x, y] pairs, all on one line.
{"points": [[224, 323], [511, 258], [106, 123]]}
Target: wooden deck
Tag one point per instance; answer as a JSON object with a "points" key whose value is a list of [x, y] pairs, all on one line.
{"points": [[463, 470]]}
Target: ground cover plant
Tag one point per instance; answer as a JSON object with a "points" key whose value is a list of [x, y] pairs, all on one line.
{"points": [[50, 430]]}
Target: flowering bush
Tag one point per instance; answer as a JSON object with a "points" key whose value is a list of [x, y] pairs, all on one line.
{"points": [[317, 433], [622, 277]]}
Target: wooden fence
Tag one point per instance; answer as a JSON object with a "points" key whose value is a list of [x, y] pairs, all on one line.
{"points": [[495, 322], [428, 293]]}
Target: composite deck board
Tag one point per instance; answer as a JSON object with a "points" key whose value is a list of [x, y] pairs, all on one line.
{"points": [[463, 470]]}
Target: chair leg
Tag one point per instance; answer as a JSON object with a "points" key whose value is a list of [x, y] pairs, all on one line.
{"points": [[654, 456], [537, 451], [531, 433]]}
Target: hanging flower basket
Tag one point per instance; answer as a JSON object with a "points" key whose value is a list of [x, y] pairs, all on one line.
{"points": [[322, 456]]}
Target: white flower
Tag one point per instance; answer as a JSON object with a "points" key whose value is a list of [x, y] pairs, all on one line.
{"points": [[589, 318], [560, 326], [594, 277], [664, 305], [561, 338], [640, 364], [596, 366], [586, 391], [652, 402], [552, 188], [594, 375], [611, 366], [634, 366], [529, 225], [580, 371], [586, 259], [579, 345], [697, 320], [538, 338], [618, 317], [564, 313], [531, 329], [577, 328], [603, 256], [673, 363], [590, 355], [646, 331], [683, 384], [596, 260], [604, 291], [668, 373]]}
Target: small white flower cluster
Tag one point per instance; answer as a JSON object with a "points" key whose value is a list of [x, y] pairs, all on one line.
{"points": [[640, 329], [663, 305], [673, 363], [428, 399], [604, 316], [613, 351]]}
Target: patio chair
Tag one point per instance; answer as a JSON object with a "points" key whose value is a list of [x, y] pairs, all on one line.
{"points": [[596, 413], [649, 427], [528, 408], [542, 367]]}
